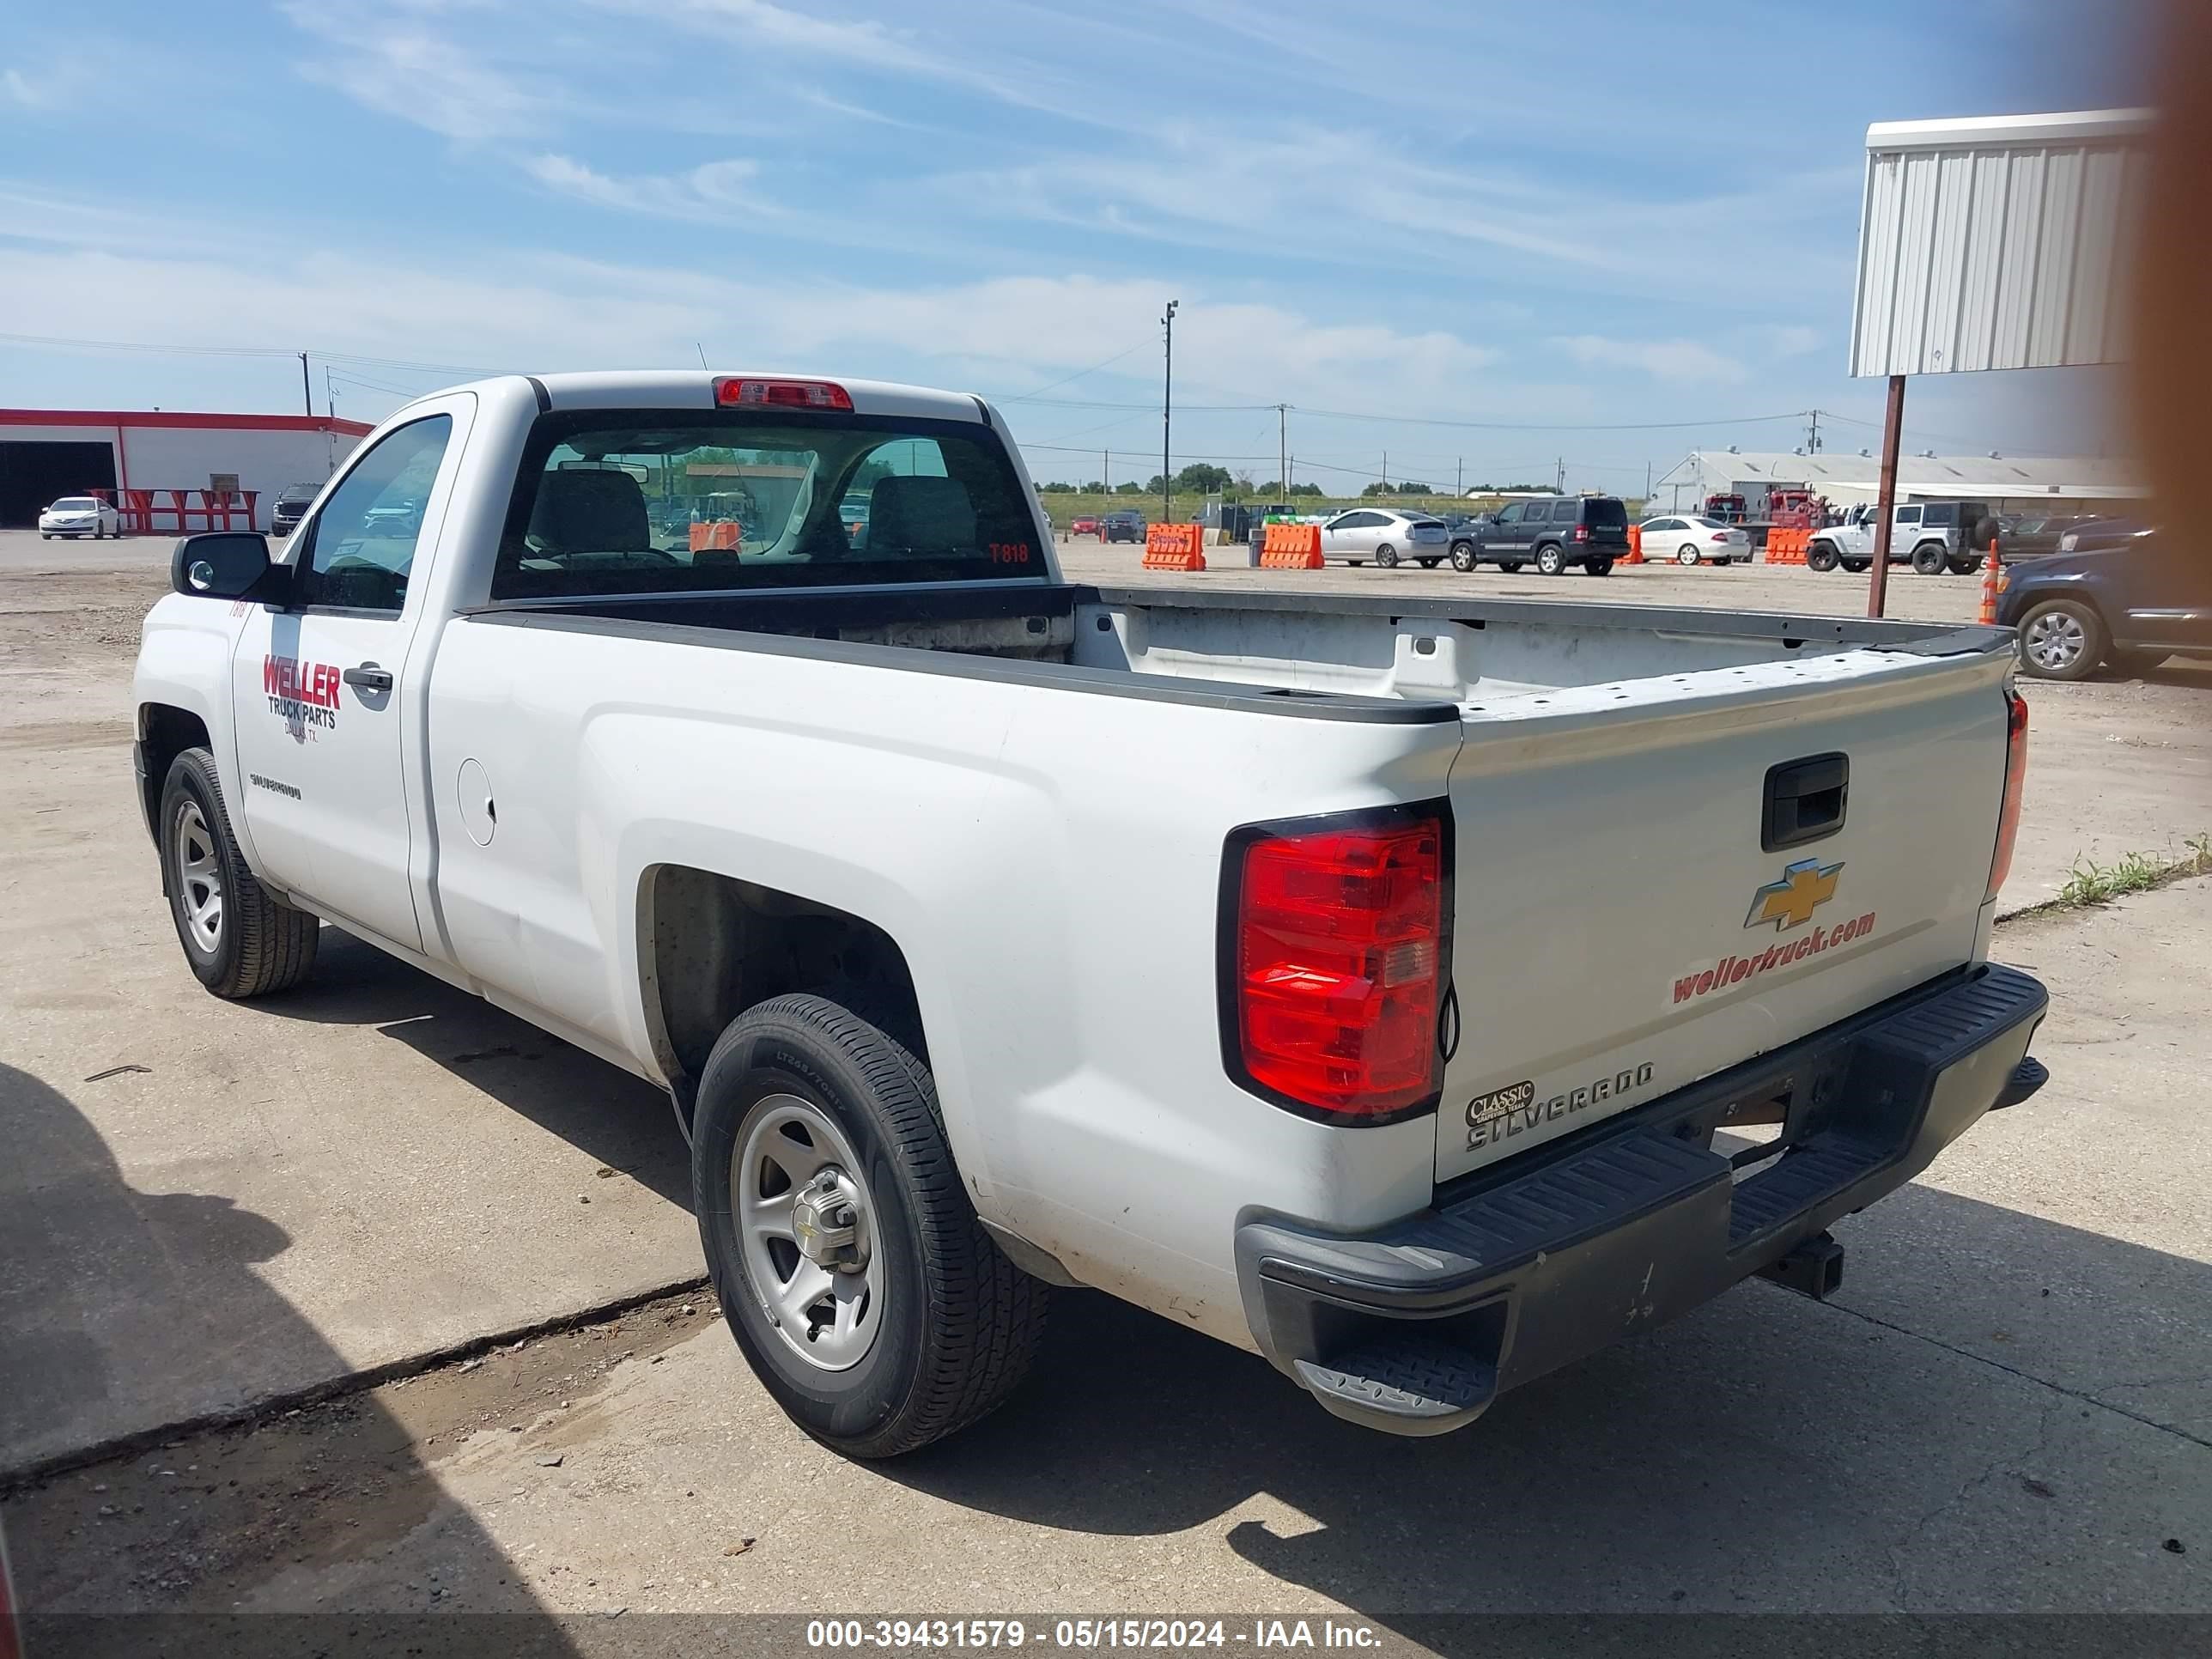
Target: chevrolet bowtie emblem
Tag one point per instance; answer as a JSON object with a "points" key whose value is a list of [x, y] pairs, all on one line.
{"points": [[1790, 901]]}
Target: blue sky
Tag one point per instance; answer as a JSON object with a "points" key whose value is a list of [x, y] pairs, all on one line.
{"points": [[1518, 217]]}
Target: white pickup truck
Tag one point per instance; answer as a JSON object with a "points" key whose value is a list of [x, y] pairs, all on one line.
{"points": [[1325, 974]]}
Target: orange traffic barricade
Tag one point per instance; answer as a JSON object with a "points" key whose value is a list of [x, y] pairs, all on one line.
{"points": [[1635, 554], [708, 537], [1291, 547], [1175, 547], [1787, 546]]}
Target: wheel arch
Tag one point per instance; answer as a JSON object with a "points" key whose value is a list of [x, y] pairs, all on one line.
{"points": [[165, 731], [711, 946]]}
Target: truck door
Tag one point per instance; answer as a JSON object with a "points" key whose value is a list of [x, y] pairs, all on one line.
{"points": [[319, 686]]}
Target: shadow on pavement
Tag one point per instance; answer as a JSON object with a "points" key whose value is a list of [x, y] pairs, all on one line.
{"points": [[1763, 1453], [139, 1535], [621, 1120]]}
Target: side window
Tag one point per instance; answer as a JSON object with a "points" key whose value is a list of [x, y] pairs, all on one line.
{"points": [[1941, 516], [1566, 512], [358, 550], [1908, 515], [1510, 514]]}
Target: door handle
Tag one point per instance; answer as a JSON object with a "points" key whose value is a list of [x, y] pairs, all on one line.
{"points": [[368, 677]]}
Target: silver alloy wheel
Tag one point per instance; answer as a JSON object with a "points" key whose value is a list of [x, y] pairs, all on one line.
{"points": [[199, 877], [822, 1290], [1687, 555], [2055, 640]]}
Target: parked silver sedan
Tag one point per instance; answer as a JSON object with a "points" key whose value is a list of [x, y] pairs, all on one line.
{"points": [[1387, 536], [1687, 540]]}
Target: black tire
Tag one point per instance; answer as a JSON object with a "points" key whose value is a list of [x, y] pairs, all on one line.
{"points": [[1428, 564], [1822, 556], [1355, 563], [260, 944], [1931, 558], [1597, 566], [1509, 566], [1462, 555], [1551, 559], [960, 1322], [1723, 563], [1858, 567], [1387, 556], [2077, 662]]}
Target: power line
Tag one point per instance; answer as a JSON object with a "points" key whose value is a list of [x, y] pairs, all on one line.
{"points": [[1027, 396]]}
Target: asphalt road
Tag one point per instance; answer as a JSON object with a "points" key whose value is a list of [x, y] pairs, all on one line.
{"points": [[2006, 1409]]}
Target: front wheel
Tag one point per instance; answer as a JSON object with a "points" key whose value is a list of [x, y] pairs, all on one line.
{"points": [[1687, 555], [239, 941], [1550, 560], [850, 1265], [1462, 555], [1929, 558], [1821, 556], [2061, 639], [1387, 556]]}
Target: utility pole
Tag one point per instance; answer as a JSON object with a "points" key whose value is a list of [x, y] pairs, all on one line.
{"points": [[1283, 446], [307, 386], [1385, 472], [329, 393], [1812, 443], [1167, 407], [1459, 479], [1647, 483], [1561, 475], [1106, 470]]}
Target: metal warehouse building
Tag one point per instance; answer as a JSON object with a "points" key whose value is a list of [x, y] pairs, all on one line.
{"points": [[50, 453], [2008, 484]]}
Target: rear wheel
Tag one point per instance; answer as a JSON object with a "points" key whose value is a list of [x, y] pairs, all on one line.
{"points": [[1597, 566], [1509, 566], [1387, 556], [1858, 567], [2061, 639], [1687, 554], [1965, 566], [1428, 564], [2133, 664], [1821, 555], [1355, 563], [1929, 558], [239, 941], [1551, 559], [851, 1267]]}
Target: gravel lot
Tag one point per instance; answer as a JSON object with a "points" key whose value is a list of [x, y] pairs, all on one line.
{"points": [[2005, 1409]]}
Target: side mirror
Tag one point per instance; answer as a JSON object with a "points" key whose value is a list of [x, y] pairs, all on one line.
{"points": [[228, 564]]}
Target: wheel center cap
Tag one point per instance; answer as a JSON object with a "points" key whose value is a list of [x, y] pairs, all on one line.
{"points": [[825, 1219]]}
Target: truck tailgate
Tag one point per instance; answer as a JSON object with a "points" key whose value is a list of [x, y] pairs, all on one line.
{"points": [[1621, 927]]}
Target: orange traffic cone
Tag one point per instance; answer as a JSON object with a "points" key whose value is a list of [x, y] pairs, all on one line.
{"points": [[1993, 583]]}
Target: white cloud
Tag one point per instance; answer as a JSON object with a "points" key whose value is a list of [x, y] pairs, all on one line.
{"points": [[715, 191], [395, 66], [1671, 360], [1789, 339]]}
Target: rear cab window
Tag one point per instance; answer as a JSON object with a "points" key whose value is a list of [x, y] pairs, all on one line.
{"points": [[619, 501]]}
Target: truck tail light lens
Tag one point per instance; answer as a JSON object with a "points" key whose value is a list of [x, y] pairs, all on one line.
{"points": [[2016, 782], [783, 394], [1582, 532], [1336, 951]]}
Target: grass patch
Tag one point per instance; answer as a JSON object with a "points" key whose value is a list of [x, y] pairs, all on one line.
{"points": [[2092, 883]]}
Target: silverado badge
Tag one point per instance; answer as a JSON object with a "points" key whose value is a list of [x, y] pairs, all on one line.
{"points": [[1789, 902]]}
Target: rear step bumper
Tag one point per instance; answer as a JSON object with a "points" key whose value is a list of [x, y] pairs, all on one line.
{"points": [[1519, 1270]]}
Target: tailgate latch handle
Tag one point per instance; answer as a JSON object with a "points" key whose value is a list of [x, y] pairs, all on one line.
{"points": [[1804, 801]]}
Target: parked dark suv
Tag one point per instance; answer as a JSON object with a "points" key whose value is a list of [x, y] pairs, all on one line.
{"points": [[1550, 533], [291, 505], [1122, 525], [2127, 607]]}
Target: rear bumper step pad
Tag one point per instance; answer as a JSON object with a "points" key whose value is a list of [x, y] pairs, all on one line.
{"points": [[1417, 1328]]}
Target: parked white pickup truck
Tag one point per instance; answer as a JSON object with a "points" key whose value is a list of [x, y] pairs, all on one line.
{"points": [[1319, 973]]}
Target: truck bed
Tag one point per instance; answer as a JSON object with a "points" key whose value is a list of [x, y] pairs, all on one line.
{"points": [[1337, 656]]}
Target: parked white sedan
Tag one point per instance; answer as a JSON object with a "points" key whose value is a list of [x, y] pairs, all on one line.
{"points": [[80, 515], [1387, 536], [1695, 541]]}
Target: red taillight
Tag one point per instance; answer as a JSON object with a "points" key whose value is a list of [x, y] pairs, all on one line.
{"points": [[1724, 536], [783, 394], [1339, 968], [2015, 781], [1582, 532]]}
